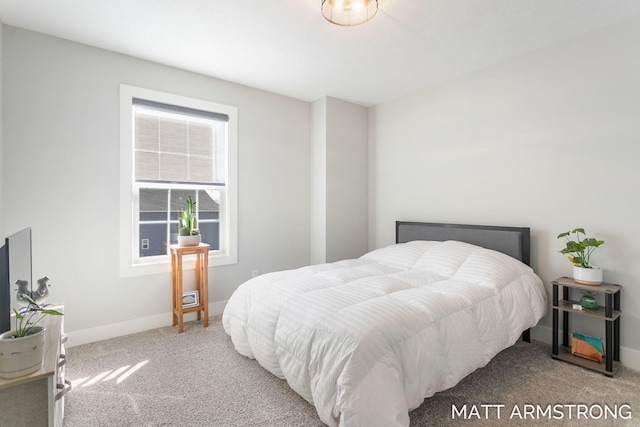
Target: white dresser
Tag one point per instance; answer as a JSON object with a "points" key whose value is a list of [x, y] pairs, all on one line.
{"points": [[37, 399]]}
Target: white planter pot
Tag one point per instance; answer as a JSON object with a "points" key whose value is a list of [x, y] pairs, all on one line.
{"points": [[20, 356], [587, 276], [189, 240]]}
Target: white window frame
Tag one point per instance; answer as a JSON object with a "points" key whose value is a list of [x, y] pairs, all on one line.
{"points": [[131, 264]]}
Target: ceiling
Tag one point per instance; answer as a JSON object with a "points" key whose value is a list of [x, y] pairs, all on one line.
{"points": [[287, 47]]}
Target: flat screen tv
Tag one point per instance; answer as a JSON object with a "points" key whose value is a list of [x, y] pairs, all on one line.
{"points": [[15, 266]]}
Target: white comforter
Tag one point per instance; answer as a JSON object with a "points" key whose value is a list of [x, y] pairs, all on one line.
{"points": [[366, 340]]}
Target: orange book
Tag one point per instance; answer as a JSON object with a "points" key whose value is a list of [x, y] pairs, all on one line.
{"points": [[588, 347]]}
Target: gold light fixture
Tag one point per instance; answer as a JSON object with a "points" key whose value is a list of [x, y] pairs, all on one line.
{"points": [[349, 12]]}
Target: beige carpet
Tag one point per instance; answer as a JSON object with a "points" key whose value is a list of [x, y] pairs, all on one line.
{"points": [[162, 378]]}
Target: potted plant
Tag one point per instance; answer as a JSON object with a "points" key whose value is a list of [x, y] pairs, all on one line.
{"points": [[188, 232], [579, 253], [21, 349]]}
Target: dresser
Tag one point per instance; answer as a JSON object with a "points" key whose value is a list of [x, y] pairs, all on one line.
{"points": [[37, 399]]}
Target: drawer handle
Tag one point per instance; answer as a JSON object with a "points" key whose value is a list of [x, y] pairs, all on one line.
{"points": [[62, 360], [64, 389]]}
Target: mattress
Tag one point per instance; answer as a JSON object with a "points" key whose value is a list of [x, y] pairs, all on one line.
{"points": [[367, 340]]}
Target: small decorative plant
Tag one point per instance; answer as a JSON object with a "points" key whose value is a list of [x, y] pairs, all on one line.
{"points": [[28, 317], [188, 223], [579, 250]]}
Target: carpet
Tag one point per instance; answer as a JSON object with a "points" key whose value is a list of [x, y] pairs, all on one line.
{"points": [[162, 378]]}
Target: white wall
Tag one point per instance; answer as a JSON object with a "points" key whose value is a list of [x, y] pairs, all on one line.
{"points": [[339, 180], [61, 177], [347, 180], [547, 140], [318, 178]]}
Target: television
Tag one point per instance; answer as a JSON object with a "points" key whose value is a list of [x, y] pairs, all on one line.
{"points": [[15, 267]]}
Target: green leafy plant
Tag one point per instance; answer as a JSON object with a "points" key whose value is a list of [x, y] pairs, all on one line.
{"points": [[188, 223], [579, 250], [27, 318]]}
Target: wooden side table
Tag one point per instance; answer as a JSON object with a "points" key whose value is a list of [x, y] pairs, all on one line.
{"points": [[202, 282]]}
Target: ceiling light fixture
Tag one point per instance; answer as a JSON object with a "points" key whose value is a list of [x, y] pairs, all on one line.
{"points": [[349, 12]]}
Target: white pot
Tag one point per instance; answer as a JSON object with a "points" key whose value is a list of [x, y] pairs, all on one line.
{"points": [[587, 276], [189, 240], [21, 356]]}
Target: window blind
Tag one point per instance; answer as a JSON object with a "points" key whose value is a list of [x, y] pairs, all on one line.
{"points": [[175, 144]]}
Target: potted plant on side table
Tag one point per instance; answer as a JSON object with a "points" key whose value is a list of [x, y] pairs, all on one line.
{"points": [[188, 232], [21, 349], [579, 252]]}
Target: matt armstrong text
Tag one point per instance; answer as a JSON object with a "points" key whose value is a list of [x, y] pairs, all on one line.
{"points": [[557, 411]]}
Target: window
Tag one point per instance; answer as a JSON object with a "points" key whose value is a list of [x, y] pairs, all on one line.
{"points": [[174, 148]]}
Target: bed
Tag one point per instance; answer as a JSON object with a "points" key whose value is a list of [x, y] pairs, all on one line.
{"points": [[367, 340]]}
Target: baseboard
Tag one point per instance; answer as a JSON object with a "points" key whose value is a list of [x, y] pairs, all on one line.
{"points": [[113, 330], [629, 358]]}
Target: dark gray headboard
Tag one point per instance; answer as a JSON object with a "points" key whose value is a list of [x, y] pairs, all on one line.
{"points": [[513, 241]]}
